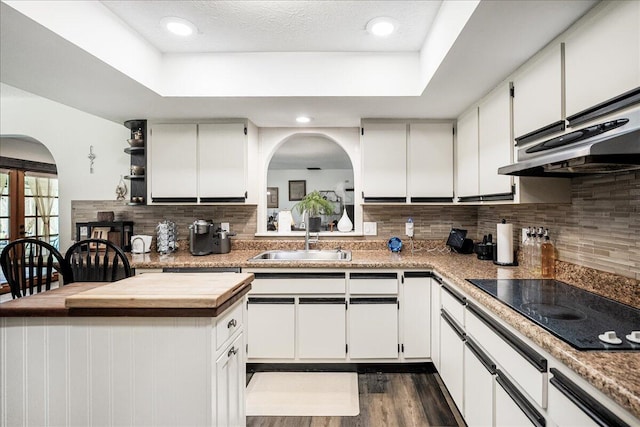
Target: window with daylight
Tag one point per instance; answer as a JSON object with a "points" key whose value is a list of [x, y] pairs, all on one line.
{"points": [[4, 208], [28, 206], [41, 207]]}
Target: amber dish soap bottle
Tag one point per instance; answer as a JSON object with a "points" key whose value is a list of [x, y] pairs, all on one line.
{"points": [[548, 255]]}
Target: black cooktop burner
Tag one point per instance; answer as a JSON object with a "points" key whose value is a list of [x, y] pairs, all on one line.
{"points": [[574, 315]]}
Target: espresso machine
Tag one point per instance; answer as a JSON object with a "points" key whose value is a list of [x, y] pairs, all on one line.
{"points": [[201, 237]]}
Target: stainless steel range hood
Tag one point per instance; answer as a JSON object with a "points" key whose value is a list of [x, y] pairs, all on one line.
{"points": [[610, 145]]}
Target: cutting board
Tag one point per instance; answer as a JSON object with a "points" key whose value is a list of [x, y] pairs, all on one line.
{"points": [[163, 290]]}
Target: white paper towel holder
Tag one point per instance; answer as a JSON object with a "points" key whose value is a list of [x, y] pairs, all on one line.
{"points": [[495, 255]]}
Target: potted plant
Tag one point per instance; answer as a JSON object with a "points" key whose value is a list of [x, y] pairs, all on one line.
{"points": [[315, 204]]}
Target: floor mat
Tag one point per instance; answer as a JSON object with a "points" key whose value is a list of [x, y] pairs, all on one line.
{"points": [[303, 394]]}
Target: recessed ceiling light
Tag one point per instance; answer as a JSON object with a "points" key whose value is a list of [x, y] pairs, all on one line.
{"points": [[382, 26], [178, 26], [303, 119]]}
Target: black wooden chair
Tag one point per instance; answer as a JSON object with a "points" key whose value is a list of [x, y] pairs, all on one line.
{"points": [[30, 266], [97, 260]]}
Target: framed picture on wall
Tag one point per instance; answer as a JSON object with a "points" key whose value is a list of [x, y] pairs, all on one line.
{"points": [[272, 197], [297, 190]]}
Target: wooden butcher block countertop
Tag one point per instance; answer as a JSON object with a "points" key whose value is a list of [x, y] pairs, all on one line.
{"points": [[163, 290], [151, 294]]}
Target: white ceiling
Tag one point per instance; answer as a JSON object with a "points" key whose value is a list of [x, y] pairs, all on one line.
{"points": [[279, 26], [90, 68]]}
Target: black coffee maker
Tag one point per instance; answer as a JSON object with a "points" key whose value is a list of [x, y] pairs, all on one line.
{"points": [[221, 239], [201, 234]]}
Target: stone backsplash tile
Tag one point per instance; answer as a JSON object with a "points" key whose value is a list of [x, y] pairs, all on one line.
{"points": [[241, 219], [599, 229], [429, 222]]}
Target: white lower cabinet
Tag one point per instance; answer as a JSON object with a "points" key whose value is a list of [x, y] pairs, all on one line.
{"points": [[271, 331], [452, 357], [435, 320], [373, 328], [512, 408], [571, 406], [321, 328], [523, 363], [416, 314], [122, 371], [231, 374], [479, 371]]}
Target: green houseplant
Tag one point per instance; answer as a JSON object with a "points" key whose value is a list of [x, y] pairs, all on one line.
{"points": [[315, 204]]}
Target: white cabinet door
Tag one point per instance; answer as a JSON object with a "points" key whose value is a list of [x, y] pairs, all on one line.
{"points": [[435, 321], [321, 328], [384, 160], [538, 93], [467, 154], [478, 388], [173, 161], [602, 55], [230, 385], [373, 328], [495, 146], [271, 325], [451, 359], [430, 160], [508, 407], [222, 158], [416, 315]]}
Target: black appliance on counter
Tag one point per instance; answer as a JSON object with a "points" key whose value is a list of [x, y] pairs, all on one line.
{"points": [[574, 315], [208, 237]]}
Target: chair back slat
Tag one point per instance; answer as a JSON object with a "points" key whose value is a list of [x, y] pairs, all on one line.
{"points": [[104, 261], [29, 266]]}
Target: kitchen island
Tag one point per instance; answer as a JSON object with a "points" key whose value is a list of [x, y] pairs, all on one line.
{"points": [[155, 349], [609, 372]]}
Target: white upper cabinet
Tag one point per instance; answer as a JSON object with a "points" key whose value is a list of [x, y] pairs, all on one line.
{"points": [[173, 166], [384, 161], [495, 146], [222, 162], [430, 161], [467, 154], [483, 145], [204, 163], [538, 93], [602, 55]]}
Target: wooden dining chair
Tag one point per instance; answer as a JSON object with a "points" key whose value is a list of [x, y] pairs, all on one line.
{"points": [[97, 260], [31, 266]]}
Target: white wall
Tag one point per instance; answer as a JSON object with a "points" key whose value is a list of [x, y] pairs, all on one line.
{"points": [[326, 179], [25, 149], [68, 133]]}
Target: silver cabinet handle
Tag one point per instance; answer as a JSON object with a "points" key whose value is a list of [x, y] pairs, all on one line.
{"points": [[232, 351], [232, 323]]}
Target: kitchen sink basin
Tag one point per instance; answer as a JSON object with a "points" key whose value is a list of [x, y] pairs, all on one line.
{"points": [[301, 255]]}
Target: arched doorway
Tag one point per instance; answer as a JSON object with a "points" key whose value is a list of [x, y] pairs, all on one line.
{"points": [[29, 191]]}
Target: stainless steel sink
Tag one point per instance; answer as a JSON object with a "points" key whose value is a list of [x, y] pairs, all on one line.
{"points": [[297, 255]]}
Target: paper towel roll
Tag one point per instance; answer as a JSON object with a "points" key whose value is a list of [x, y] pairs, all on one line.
{"points": [[505, 244]]}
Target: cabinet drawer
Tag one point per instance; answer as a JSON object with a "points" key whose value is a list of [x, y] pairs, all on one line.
{"points": [[571, 406], [373, 283], [228, 324], [527, 367], [298, 283], [453, 303]]}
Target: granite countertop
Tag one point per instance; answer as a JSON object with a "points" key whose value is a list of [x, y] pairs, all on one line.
{"points": [[609, 372]]}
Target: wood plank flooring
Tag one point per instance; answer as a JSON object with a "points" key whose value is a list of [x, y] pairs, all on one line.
{"points": [[386, 400]]}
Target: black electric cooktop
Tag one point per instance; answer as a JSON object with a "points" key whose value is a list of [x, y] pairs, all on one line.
{"points": [[574, 315]]}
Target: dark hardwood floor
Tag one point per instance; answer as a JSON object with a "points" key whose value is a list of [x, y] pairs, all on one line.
{"points": [[386, 400]]}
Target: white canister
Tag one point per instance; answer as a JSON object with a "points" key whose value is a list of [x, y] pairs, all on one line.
{"points": [[140, 244]]}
